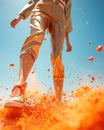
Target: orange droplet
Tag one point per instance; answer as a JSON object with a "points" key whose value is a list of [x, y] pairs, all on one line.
{"points": [[6, 88], [93, 78], [11, 65], [91, 58], [89, 75], [48, 69], [89, 43], [79, 78], [64, 94], [91, 81], [33, 72], [100, 48]]}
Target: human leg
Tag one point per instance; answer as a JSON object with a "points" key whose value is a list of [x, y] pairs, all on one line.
{"points": [[26, 63], [58, 76], [31, 46], [29, 53], [57, 39]]}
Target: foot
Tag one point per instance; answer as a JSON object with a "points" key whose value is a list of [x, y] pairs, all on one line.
{"points": [[69, 48], [17, 97]]}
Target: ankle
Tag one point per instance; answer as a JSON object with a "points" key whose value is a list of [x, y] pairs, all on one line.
{"points": [[20, 82]]}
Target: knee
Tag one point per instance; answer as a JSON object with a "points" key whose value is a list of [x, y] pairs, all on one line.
{"points": [[36, 37], [32, 44]]}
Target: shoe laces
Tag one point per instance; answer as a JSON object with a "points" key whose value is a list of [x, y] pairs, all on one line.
{"points": [[18, 90]]}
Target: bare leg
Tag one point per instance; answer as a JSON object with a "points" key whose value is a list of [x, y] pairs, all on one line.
{"points": [[32, 42], [58, 76], [57, 39], [17, 97], [58, 84], [26, 63]]}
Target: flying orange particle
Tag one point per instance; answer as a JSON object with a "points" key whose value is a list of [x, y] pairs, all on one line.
{"points": [[79, 78], [48, 69], [93, 78], [11, 65], [6, 88], [33, 72], [91, 58], [100, 48], [64, 94], [89, 42], [89, 75]]}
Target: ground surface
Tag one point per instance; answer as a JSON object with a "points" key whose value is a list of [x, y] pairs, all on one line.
{"points": [[81, 110]]}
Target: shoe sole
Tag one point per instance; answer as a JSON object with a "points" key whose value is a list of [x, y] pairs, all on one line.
{"points": [[16, 104]]}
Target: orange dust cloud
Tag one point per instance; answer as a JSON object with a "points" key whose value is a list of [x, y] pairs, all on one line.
{"points": [[100, 48], [91, 58], [83, 109]]}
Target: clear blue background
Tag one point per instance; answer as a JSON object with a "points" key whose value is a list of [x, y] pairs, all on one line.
{"points": [[88, 25]]}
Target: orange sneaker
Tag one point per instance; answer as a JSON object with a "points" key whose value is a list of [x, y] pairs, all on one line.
{"points": [[17, 97]]}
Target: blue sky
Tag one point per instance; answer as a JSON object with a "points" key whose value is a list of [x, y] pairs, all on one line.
{"points": [[88, 25]]}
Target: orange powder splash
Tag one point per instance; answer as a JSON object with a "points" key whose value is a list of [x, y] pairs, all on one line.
{"points": [[91, 58], [100, 48], [83, 110], [11, 65]]}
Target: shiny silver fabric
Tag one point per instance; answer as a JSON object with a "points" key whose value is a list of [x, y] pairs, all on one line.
{"points": [[26, 11], [46, 15]]}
